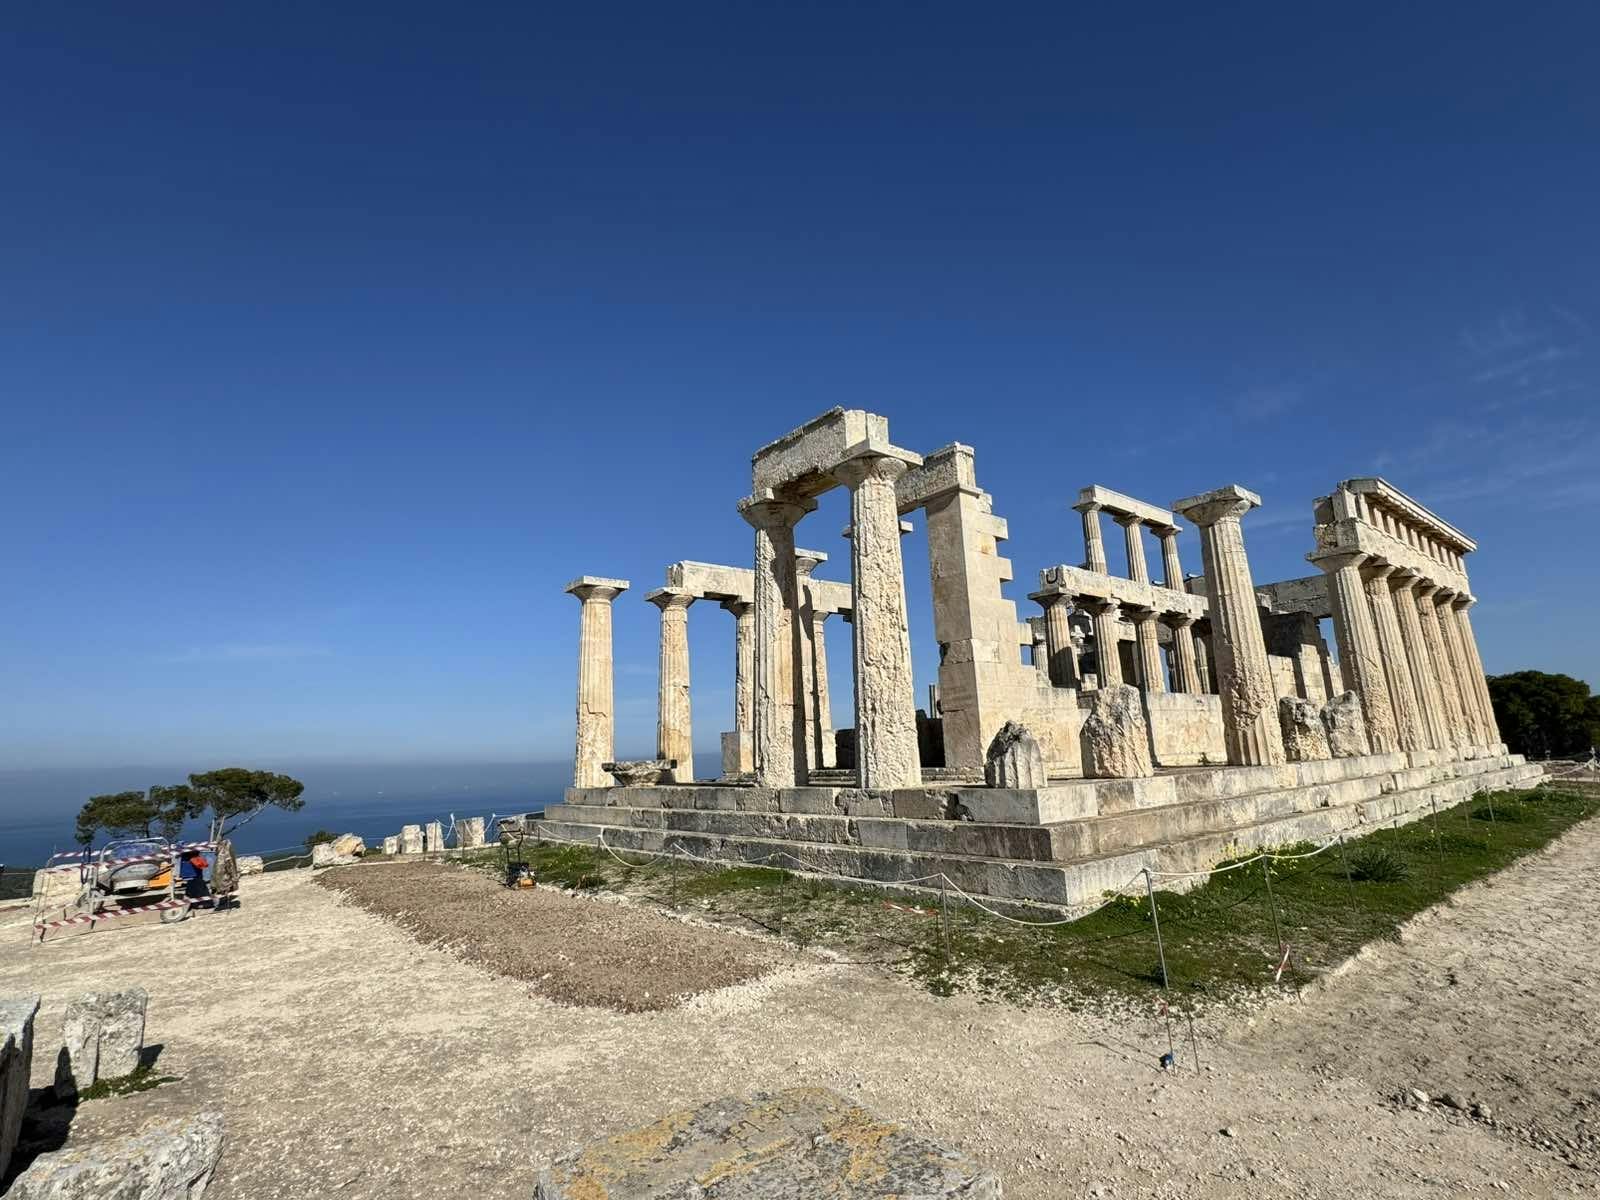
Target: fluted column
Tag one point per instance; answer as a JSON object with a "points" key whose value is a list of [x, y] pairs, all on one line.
{"points": [[777, 730], [1133, 537], [1152, 674], [821, 704], [805, 562], [1423, 680], [596, 711], [1471, 717], [1094, 546], [1105, 615], [1171, 567], [1392, 650], [1185, 669], [886, 707], [1244, 678], [1469, 643], [1058, 640], [1360, 657], [1202, 658], [1449, 693], [744, 666], [674, 738]]}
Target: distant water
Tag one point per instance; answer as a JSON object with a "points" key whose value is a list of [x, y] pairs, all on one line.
{"points": [[38, 807]]}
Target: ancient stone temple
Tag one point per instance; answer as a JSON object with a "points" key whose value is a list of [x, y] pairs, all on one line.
{"points": [[1168, 724]]}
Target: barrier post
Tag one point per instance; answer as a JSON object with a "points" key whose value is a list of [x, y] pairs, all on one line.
{"points": [[944, 918], [1438, 844], [1272, 903], [1161, 954], [1345, 863]]}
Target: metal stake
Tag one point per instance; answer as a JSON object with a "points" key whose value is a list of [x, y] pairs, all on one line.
{"points": [[1161, 953], [1272, 901], [944, 919], [1438, 842], [1345, 863]]}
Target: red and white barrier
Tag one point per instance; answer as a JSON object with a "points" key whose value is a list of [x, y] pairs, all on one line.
{"points": [[42, 927], [122, 862]]}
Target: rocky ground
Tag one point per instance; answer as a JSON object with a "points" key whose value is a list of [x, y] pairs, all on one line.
{"points": [[353, 1060]]}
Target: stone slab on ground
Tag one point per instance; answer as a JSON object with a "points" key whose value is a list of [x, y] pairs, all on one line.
{"points": [[16, 1065], [103, 1037], [774, 1146], [170, 1159]]}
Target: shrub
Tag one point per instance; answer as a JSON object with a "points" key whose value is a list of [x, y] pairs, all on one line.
{"points": [[1378, 864], [320, 836]]}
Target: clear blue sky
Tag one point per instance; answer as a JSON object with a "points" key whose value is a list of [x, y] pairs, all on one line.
{"points": [[334, 339]]}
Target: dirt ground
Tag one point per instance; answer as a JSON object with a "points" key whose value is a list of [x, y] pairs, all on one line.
{"points": [[351, 1060], [567, 948]]}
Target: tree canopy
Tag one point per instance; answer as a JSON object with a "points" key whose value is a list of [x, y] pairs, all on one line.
{"points": [[122, 814], [237, 794], [1542, 715], [231, 794]]}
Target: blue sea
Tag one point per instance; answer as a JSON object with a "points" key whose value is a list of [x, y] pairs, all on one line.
{"points": [[38, 806]]}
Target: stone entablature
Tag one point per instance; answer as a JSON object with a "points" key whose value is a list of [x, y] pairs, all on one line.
{"points": [[1072, 582]]}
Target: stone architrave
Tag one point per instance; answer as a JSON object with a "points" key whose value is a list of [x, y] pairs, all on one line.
{"points": [[16, 1066], [1449, 694], [1105, 615], [1133, 538], [1305, 739], [1152, 672], [596, 710], [1058, 640], [742, 760], [1360, 656], [1244, 677], [1471, 717], [411, 837], [1094, 545], [1116, 736], [886, 709], [103, 1038], [1014, 759], [1469, 643], [1392, 649], [674, 739], [777, 718], [469, 833], [172, 1158], [1185, 667], [1423, 680], [1347, 726]]}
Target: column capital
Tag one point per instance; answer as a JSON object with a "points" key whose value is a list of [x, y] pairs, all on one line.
{"points": [[1462, 601], [1138, 613], [1446, 595], [1127, 520], [666, 598], [771, 512], [1220, 504], [1333, 561], [1404, 579], [870, 464], [1177, 620], [807, 561], [1376, 569], [1425, 588], [1050, 599], [1098, 605], [1164, 531], [596, 587], [1087, 506], [737, 606]]}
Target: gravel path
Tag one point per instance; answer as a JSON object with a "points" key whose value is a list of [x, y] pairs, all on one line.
{"points": [[353, 1061]]}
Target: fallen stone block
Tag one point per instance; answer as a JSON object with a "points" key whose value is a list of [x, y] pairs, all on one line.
{"points": [[1346, 724], [411, 839], [774, 1146], [16, 1065], [433, 837], [469, 833], [391, 845], [1305, 739], [170, 1159], [1014, 760], [348, 845], [102, 1038], [251, 864], [1116, 736]]}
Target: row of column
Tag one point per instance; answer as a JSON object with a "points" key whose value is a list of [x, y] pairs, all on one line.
{"points": [[1138, 569], [1407, 648], [1061, 655]]}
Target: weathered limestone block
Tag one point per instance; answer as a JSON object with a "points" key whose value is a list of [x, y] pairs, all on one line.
{"points": [[1116, 737], [411, 839], [433, 837], [1346, 724], [349, 846], [170, 1159], [799, 1142], [641, 772], [391, 845], [52, 889], [102, 1035], [1305, 739], [322, 855], [469, 833], [16, 1064], [252, 864], [1014, 760]]}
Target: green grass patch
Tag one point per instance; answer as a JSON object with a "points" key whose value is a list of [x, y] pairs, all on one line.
{"points": [[142, 1080]]}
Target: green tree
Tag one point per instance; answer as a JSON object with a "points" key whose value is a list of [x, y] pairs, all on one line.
{"points": [[1542, 715], [236, 794], [124, 814], [320, 836], [174, 804]]}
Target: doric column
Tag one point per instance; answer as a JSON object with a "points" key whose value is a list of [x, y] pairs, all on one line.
{"points": [[596, 712], [1244, 678], [1450, 635], [673, 735], [1185, 668], [1469, 644], [776, 724], [1392, 650], [1152, 675], [1202, 658], [1133, 536], [1171, 567], [1105, 616], [821, 705], [886, 706], [1360, 657], [744, 669], [1058, 640], [1094, 547], [1423, 681], [1449, 694], [805, 562]]}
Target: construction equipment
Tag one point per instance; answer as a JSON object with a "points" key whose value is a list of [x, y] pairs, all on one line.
{"points": [[126, 877], [513, 834]]}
